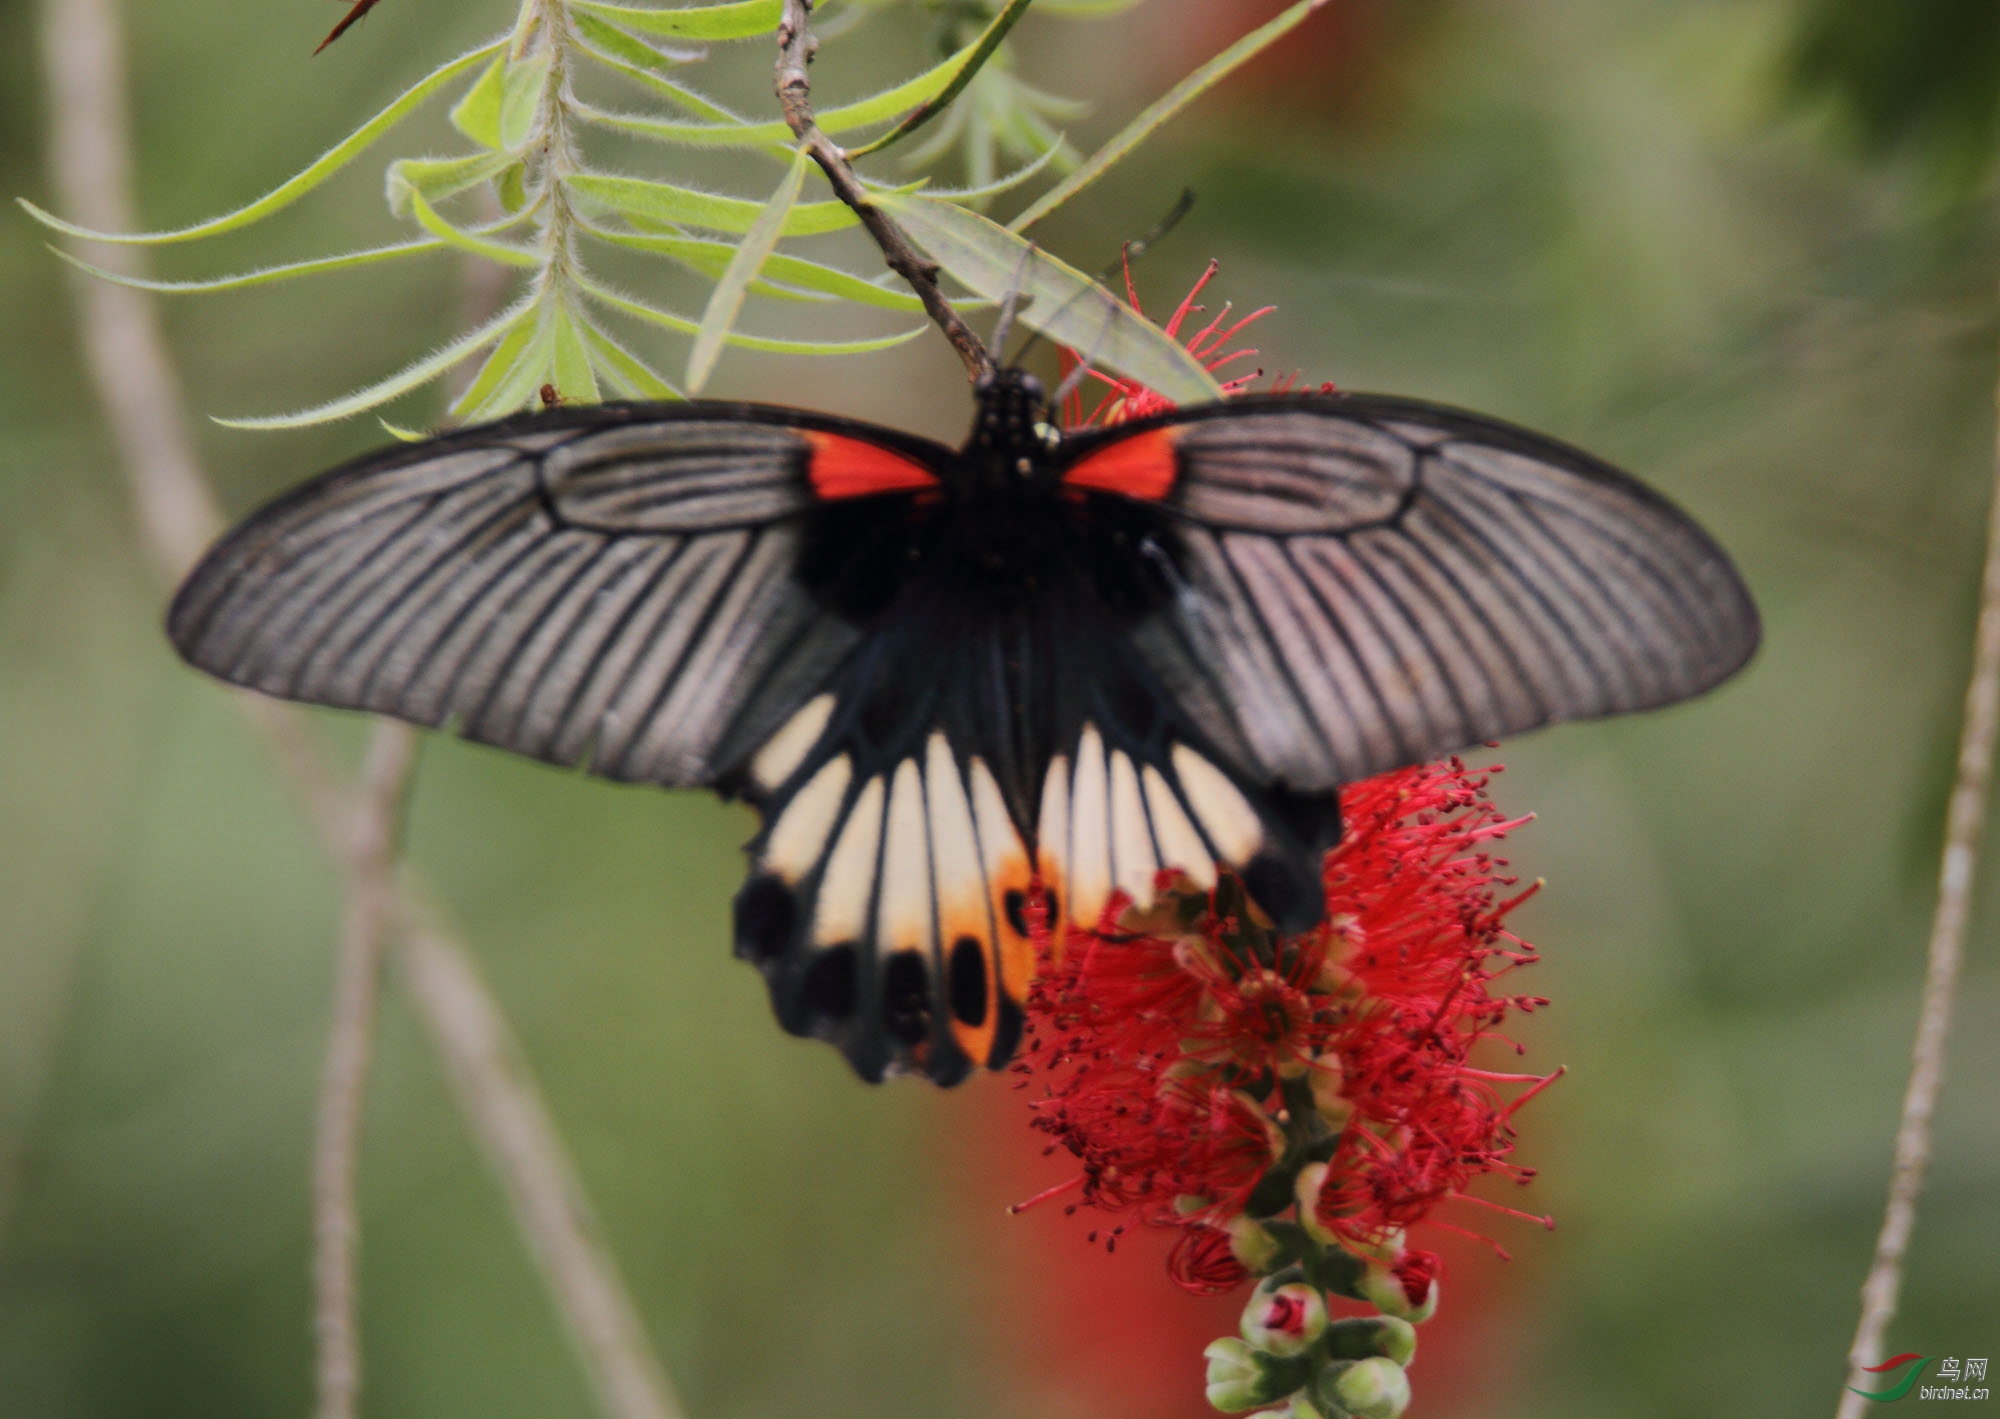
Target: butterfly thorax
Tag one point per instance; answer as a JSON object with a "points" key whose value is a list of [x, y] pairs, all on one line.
{"points": [[1011, 446]]}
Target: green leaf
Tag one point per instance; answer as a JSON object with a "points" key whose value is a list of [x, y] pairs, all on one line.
{"points": [[511, 187], [976, 55], [999, 185], [299, 184], [845, 118], [435, 179], [500, 251], [725, 302], [521, 100], [414, 375], [1165, 107], [264, 276], [627, 373], [631, 56], [403, 435], [639, 310], [1083, 9], [569, 359], [511, 374], [1056, 298], [711, 259], [740, 20], [641, 201], [477, 115]]}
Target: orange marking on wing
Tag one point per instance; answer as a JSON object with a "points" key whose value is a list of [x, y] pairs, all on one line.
{"points": [[959, 922], [842, 467], [1142, 466]]}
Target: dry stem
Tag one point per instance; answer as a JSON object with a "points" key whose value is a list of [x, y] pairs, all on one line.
{"points": [[1965, 825], [90, 147], [796, 47]]}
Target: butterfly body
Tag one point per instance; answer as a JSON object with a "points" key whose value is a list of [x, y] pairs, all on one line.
{"points": [[947, 679]]}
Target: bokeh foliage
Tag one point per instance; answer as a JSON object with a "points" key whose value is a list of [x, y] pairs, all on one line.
{"points": [[1613, 222]]}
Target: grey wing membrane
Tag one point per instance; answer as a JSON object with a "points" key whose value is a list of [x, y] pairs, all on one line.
{"points": [[1361, 582], [611, 588]]}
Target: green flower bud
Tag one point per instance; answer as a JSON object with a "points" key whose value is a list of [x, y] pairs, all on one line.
{"points": [[1303, 1408], [1372, 1389], [1256, 1248], [1241, 1378], [1406, 1288], [1305, 1191], [1368, 1336], [1284, 1319]]}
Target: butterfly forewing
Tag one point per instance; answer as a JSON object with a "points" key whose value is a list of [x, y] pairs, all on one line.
{"points": [[608, 587], [1359, 582]]}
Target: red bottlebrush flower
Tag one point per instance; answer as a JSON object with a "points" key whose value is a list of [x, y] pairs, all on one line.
{"points": [[1179, 1052]]}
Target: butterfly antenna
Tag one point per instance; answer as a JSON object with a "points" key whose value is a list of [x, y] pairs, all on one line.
{"points": [[1010, 304]]}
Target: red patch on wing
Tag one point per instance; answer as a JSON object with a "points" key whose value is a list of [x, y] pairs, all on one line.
{"points": [[1142, 466], [842, 467]]}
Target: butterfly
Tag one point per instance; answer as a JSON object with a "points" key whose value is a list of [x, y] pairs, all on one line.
{"points": [[1049, 661]]}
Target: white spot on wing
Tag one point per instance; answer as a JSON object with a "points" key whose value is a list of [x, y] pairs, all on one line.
{"points": [[784, 751], [961, 884], [1052, 833], [1180, 845], [842, 914], [799, 839], [903, 920], [1221, 808], [1089, 833], [1132, 862]]}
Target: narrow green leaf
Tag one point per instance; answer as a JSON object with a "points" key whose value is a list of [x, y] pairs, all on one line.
{"points": [[725, 302], [414, 375], [300, 183], [521, 99], [1083, 9], [711, 259], [639, 310], [569, 359], [403, 435], [1164, 108], [261, 277], [626, 372], [1056, 298], [500, 251], [742, 19], [435, 179], [512, 373], [477, 115], [992, 189], [844, 118], [976, 55], [631, 56], [511, 187], [639, 200]]}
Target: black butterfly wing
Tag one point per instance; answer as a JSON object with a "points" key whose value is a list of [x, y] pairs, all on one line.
{"points": [[1349, 583], [621, 587]]}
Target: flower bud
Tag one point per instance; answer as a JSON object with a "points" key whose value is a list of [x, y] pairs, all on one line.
{"points": [[1241, 1378], [1251, 1244], [1371, 1389], [1406, 1288], [1305, 1190], [1284, 1319], [1368, 1336]]}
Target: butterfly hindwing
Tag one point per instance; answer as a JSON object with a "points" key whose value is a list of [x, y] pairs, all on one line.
{"points": [[617, 586], [1352, 583]]}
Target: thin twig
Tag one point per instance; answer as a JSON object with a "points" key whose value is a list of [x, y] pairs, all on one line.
{"points": [[367, 916], [796, 47], [1965, 825], [90, 149], [497, 1093]]}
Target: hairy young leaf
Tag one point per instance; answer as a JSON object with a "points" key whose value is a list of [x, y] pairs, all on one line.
{"points": [[639, 200], [740, 20], [264, 276], [725, 302], [300, 183], [639, 310], [477, 114]]}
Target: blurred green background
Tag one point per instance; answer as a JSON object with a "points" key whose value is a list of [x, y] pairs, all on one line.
{"points": [[1747, 248]]}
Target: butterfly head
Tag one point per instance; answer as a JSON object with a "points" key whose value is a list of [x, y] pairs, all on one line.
{"points": [[1012, 434]]}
